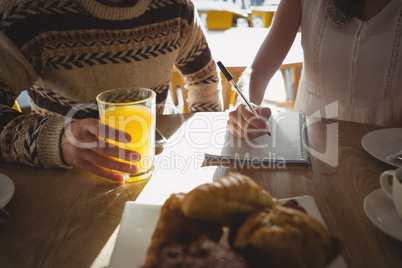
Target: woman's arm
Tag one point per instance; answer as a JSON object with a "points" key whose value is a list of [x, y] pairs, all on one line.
{"points": [[274, 48], [242, 122]]}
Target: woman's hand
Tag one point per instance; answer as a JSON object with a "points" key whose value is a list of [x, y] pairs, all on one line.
{"points": [[244, 124], [84, 145]]}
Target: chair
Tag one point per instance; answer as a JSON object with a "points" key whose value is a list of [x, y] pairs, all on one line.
{"points": [[22, 103], [291, 76], [227, 94], [266, 13], [223, 19], [17, 107], [178, 81], [215, 20]]}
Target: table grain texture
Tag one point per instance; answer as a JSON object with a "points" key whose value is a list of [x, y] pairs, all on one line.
{"points": [[66, 218]]}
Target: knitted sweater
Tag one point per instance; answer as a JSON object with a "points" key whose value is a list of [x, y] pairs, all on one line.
{"points": [[65, 52]]}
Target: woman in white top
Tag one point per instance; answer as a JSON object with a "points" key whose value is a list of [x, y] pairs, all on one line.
{"points": [[352, 58]]}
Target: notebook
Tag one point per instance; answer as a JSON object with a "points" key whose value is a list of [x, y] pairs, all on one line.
{"points": [[287, 143]]}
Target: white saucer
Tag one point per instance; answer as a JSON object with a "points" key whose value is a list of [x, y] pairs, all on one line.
{"points": [[380, 209], [382, 143], [6, 190]]}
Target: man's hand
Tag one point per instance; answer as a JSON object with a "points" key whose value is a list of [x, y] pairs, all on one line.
{"points": [[244, 124], [82, 146]]}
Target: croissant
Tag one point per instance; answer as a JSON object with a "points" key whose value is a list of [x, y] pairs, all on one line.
{"points": [[285, 237], [226, 200], [261, 229], [174, 227]]}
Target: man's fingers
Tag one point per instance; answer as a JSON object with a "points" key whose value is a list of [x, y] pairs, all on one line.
{"points": [[111, 133], [98, 129], [82, 146], [108, 163], [112, 150], [103, 172]]}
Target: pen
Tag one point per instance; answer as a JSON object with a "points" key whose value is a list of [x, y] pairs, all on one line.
{"points": [[229, 77]]}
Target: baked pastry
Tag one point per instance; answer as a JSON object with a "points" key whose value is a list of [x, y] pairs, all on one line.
{"points": [[262, 231], [285, 237], [174, 227], [202, 253], [226, 200], [292, 203]]}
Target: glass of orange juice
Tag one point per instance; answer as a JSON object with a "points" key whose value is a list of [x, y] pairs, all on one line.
{"points": [[132, 110]]}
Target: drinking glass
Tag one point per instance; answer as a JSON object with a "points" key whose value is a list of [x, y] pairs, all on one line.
{"points": [[132, 110]]}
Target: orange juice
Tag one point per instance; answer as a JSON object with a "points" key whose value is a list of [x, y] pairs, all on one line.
{"points": [[138, 121]]}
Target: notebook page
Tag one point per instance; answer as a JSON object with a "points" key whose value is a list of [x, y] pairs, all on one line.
{"points": [[284, 144]]}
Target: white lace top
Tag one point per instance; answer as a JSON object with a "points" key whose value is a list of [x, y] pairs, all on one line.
{"points": [[357, 67]]}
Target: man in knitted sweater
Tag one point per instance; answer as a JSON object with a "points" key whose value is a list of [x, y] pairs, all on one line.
{"points": [[65, 52]]}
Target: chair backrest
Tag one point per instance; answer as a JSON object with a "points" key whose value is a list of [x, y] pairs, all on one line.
{"points": [[265, 14], [227, 93], [223, 19], [17, 107], [290, 73]]}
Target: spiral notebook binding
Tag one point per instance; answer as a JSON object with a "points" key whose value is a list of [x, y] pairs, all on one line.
{"points": [[303, 136]]}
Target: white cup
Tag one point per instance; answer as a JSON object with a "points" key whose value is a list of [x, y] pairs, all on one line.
{"points": [[394, 190]]}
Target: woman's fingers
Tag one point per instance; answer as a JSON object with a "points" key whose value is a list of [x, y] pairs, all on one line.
{"points": [[244, 123], [259, 124], [264, 112]]}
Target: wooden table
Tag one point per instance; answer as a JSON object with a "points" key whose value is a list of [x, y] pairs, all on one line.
{"points": [[236, 48], [64, 218]]}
